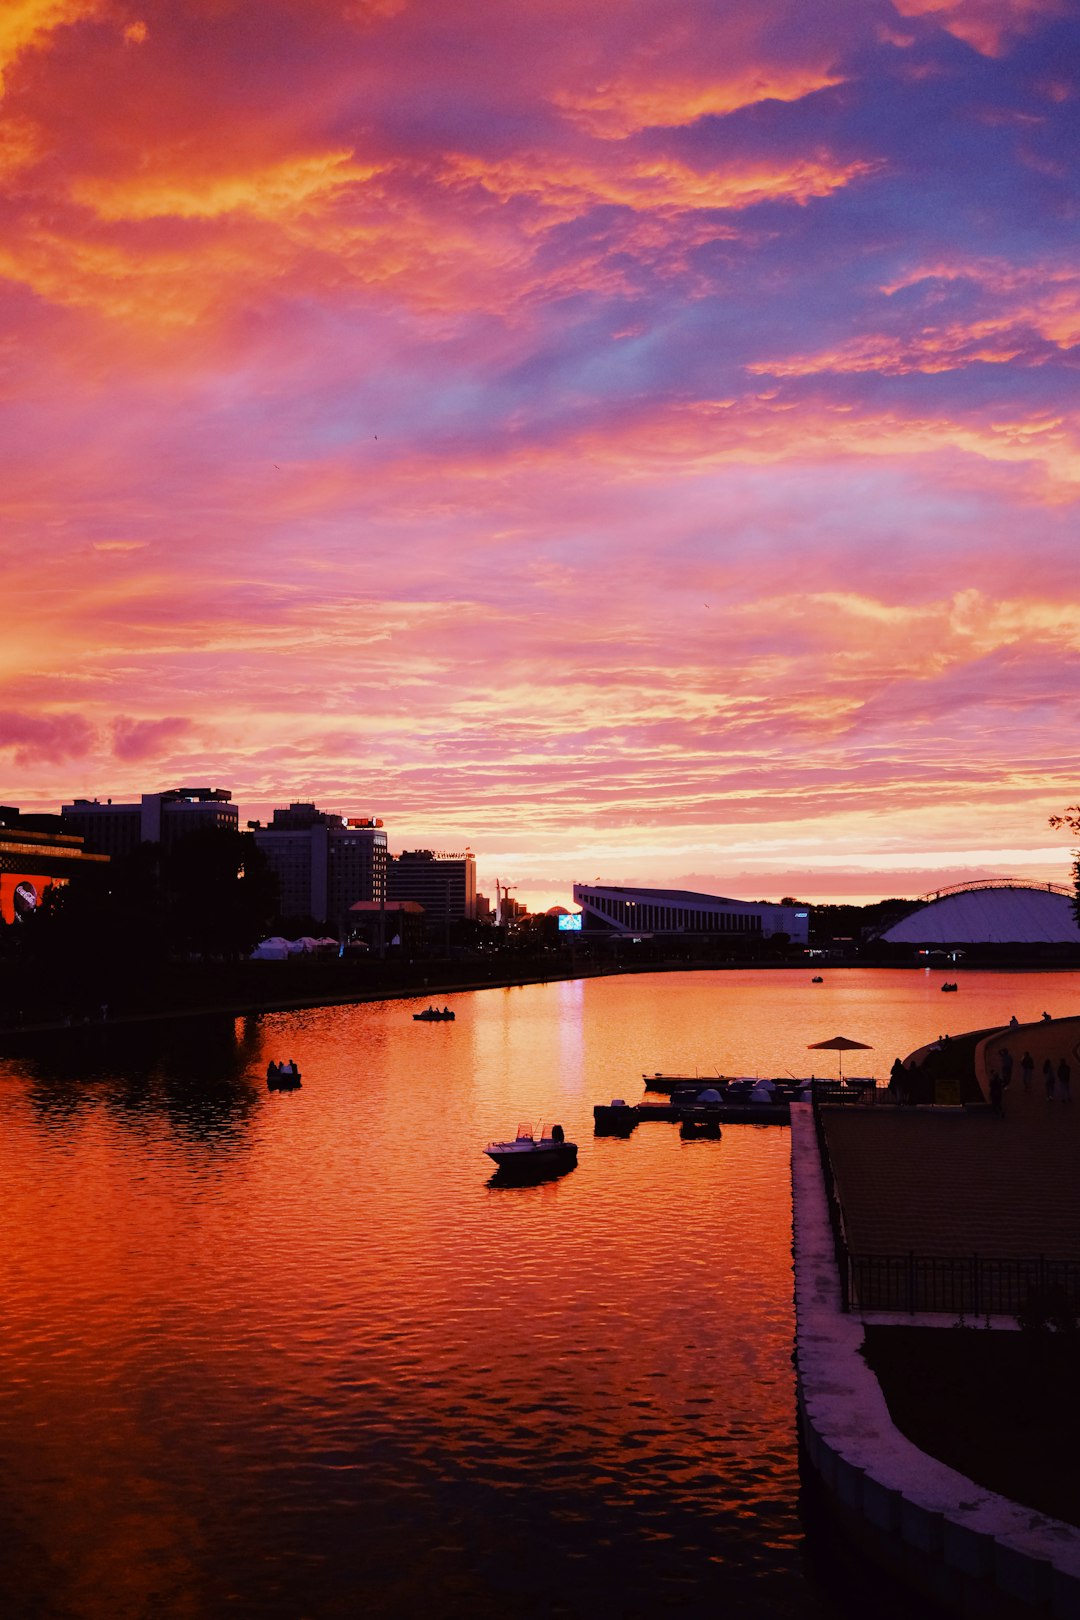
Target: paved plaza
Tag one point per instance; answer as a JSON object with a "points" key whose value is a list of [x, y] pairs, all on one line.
{"points": [[966, 1181]]}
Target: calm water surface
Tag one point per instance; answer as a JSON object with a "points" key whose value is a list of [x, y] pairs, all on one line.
{"points": [[293, 1355]]}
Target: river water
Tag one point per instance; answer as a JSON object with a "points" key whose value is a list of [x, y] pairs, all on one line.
{"points": [[293, 1354]]}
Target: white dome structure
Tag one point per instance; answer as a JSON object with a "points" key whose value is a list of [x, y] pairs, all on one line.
{"points": [[1003, 911]]}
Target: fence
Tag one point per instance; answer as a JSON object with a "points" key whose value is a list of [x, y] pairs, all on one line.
{"points": [[962, 1285]]}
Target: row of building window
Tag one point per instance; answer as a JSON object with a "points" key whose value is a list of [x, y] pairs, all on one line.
{"points": [[647, 916]]}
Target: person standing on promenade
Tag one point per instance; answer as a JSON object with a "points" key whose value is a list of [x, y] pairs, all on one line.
{"points": [[1048, 1079], [996, 1101], [1027, 1064], [1006, 1067], [1064, 1076]]}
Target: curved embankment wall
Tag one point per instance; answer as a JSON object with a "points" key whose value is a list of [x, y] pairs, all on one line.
{"points": [[960, 1544]]}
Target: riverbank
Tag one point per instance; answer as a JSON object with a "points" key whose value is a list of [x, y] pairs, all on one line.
{"points": [[185, 990], [245, 989]]}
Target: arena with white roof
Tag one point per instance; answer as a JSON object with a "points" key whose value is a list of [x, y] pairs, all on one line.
{"points": [[997, 911]]}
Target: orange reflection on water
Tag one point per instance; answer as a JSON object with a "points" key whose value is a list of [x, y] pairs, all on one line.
{"points": [[264, 1350]]}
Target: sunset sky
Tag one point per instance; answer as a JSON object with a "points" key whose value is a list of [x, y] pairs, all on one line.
{"points": [[638, 440]]}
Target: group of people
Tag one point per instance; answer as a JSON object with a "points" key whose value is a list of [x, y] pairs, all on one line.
{"points": [[905, 1078], [1057, 1080]]}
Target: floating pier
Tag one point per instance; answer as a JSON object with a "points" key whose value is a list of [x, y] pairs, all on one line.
{"points": [[697, 1101], [619, 1119]]}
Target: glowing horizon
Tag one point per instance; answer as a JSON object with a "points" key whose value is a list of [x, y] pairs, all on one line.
{"points": [[638, 446]]}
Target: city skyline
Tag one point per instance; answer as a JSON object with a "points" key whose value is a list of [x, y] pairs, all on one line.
{"points": [[641, 445]]}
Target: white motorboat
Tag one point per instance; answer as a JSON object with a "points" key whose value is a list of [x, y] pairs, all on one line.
{"points": [[533, 1153]]}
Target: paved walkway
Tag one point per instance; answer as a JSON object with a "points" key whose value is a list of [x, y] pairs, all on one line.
{"points": [[965, 1181]]}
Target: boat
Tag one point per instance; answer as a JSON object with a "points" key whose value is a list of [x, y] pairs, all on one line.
{"points": [[435, 1015], [619, 1119], [532, 1153], [817, 979], [691, 1126], [673, 1082], [283, 1076], [950, 987], [616, 1118]]}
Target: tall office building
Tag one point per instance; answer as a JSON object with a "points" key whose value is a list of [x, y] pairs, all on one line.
{"points": [[445, 885], [158, 818], [323, 862]]}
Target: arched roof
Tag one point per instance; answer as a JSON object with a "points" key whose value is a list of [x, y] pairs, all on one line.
{"points": [[1007, 913]]}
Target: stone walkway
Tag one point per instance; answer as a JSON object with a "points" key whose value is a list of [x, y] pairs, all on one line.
{"points": [[965, 1181]]}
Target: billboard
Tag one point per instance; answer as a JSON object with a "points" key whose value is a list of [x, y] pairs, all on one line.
{"points": [[21, 893], [570, 924]]}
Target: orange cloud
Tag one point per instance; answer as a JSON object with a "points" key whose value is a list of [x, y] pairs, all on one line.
{"points": [[989, 26], [564, 187], [1043, 298], [27, 24], [1031, 310], [613, 111], [20, 145], [944, 349], [275, 192]]}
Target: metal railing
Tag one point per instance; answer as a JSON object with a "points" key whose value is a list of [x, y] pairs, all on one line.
{"points": [[962, 1285]]}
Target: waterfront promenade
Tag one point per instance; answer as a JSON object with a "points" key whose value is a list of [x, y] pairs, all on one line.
{"points": [[945, 1181], [963, 1185]]}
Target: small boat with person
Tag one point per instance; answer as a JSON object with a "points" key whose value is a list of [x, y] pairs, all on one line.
{"points": [[435, 1015], [531, 1153]]}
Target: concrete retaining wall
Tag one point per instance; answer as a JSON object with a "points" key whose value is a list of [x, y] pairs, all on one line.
{"points": [[961, 1544]]}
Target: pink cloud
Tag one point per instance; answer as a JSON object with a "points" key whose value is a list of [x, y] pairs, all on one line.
{"points": [[136, 740], [49, 739]]}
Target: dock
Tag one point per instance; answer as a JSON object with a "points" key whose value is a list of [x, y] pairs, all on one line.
{"points": [[620, 1119], [729, 1103]]}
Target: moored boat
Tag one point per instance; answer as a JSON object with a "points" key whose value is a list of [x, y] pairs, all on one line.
{"points": [[533, 1153]]}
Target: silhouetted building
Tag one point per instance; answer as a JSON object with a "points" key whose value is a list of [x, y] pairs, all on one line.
{"points": [[323, 862], [445, 885], [610, 909], [393, 925], [33, 860], [158, 818]]}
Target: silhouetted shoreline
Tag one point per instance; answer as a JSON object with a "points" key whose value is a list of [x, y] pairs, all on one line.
{"points": [[243, 989]]}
